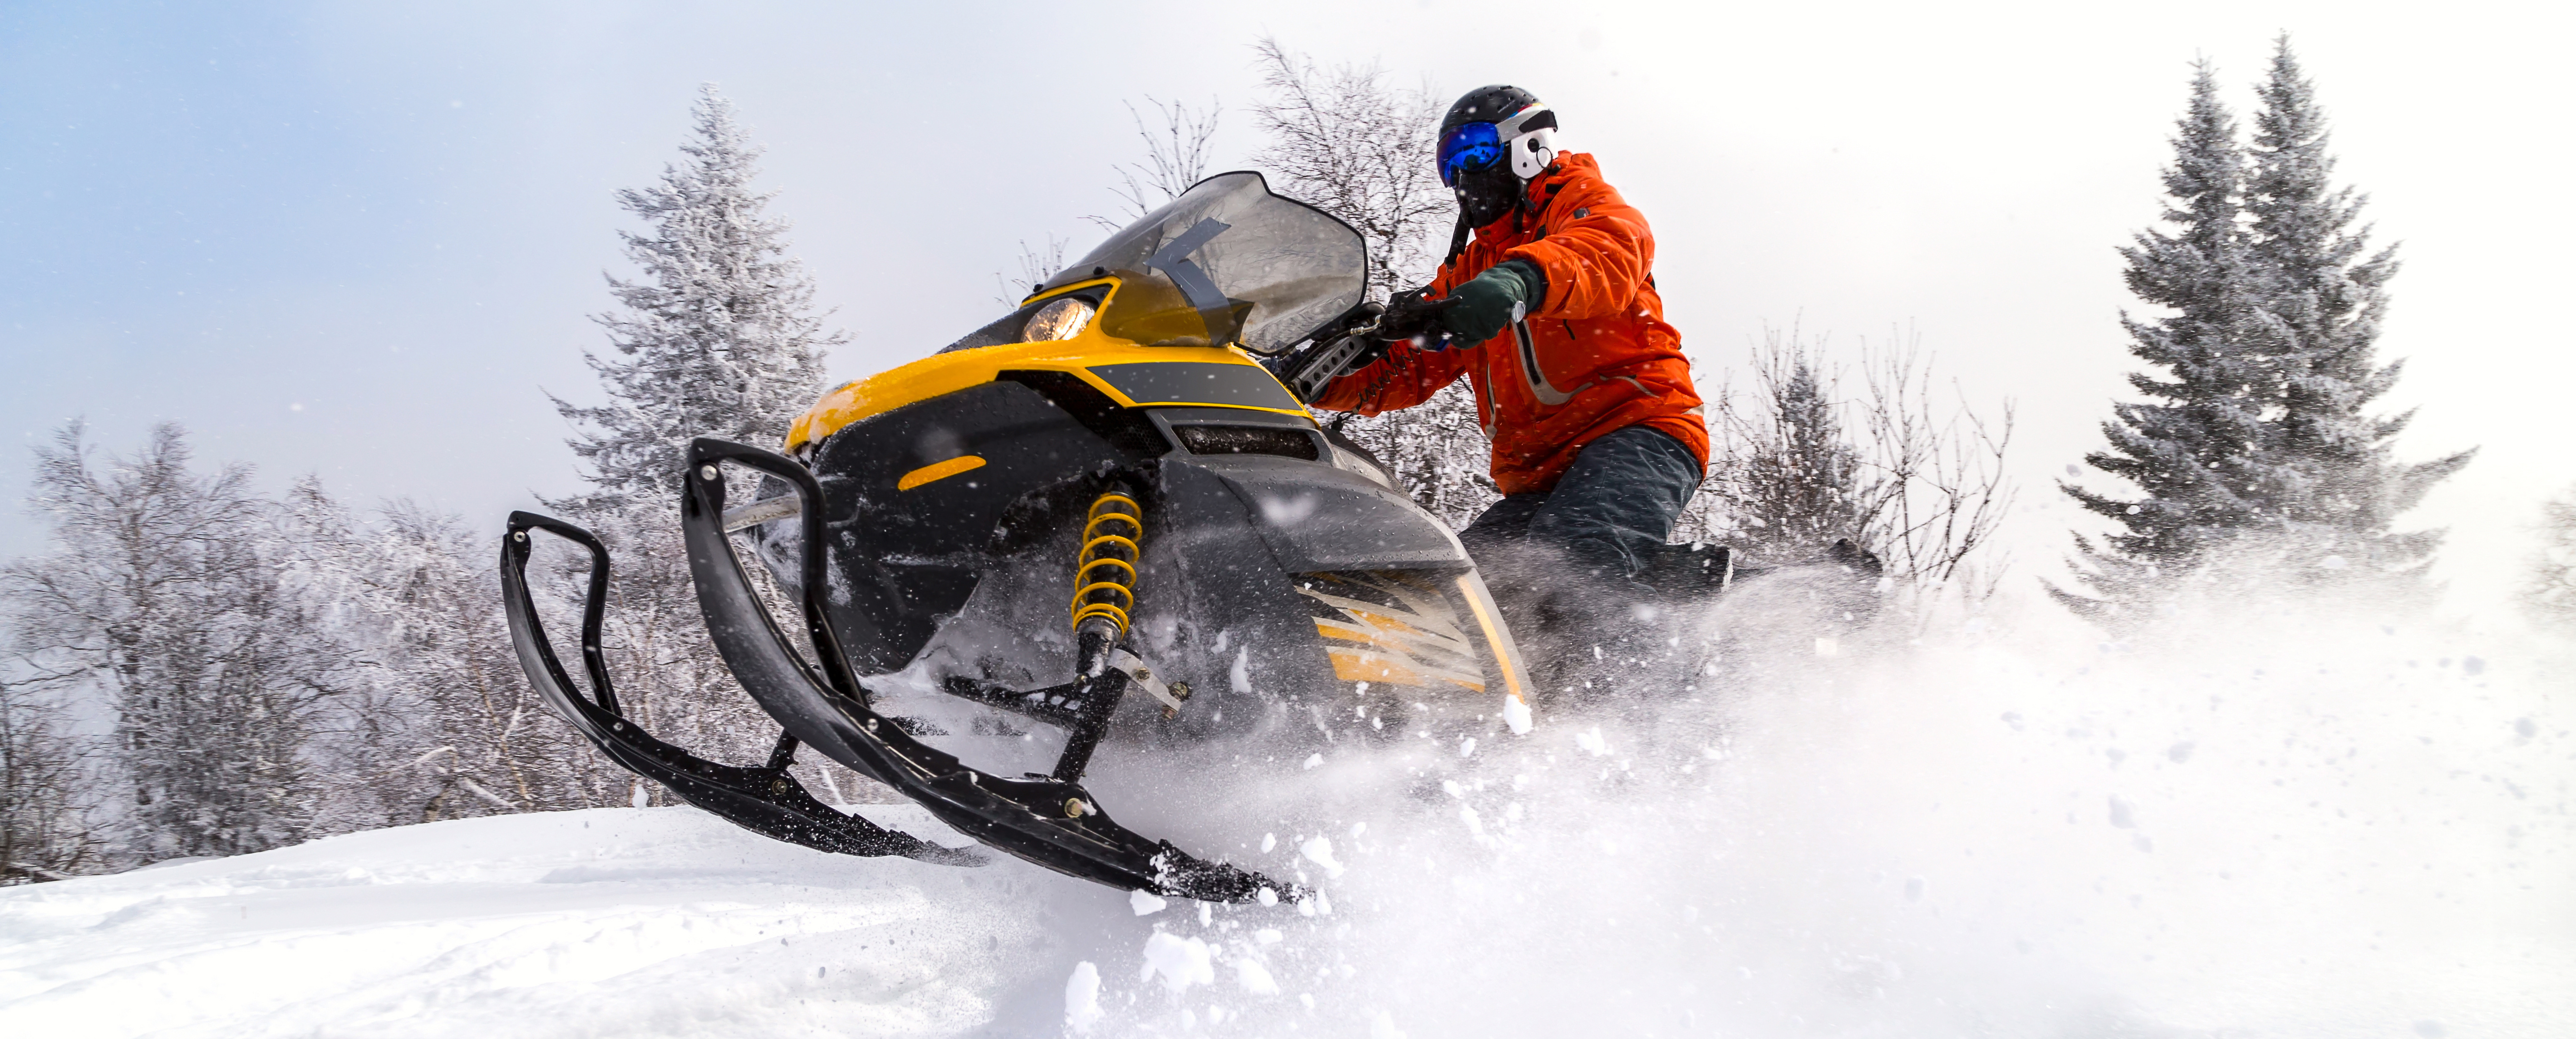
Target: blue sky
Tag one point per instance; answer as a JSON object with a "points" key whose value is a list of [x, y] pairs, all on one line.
{"points": [[358, 240]]}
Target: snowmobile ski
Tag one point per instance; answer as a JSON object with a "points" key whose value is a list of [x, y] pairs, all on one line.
{"points": [[765, 800]]}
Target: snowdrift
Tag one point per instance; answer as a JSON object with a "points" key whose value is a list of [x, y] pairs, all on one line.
{"points": [[604, 922], [2290, 825]]}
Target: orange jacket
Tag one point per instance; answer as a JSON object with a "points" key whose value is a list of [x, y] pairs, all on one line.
{"points": [[1604, 358]]}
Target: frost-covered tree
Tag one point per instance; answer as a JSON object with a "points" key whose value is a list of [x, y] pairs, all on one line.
{"points": [[2195, 447], [2323, 294], [476, 740], [2258, 454], [46, 827], [1344, 141], [716, 338], [320, 558], [162, 594], [1789, 479], [1800, 465], [2549, 590], [431, 718]]}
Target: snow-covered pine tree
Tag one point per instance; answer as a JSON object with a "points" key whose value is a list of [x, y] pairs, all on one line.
{"points": [[2338, 488], [1345, 142], [162, 595], [1790, 481], [717, 338], [2196, 448]]}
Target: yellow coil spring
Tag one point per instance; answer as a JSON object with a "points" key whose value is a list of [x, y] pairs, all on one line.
{"points": [[1104, 585]]}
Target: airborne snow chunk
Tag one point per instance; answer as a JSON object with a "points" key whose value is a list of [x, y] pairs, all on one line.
{"points": [[1182, 962]]}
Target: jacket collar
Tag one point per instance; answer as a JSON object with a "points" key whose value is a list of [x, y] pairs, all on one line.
{"points": [[1538, 193]]}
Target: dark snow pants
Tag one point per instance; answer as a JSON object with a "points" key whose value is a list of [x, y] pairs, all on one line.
{"points": [[1604, 518]]}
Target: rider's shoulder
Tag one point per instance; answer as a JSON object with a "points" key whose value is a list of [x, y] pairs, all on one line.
{"points": [[1575, 189]]}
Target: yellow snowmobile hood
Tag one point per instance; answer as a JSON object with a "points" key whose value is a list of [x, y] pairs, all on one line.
{"points": [[1094, 355]]}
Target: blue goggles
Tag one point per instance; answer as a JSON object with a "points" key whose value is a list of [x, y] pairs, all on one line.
{"points": [[1467, 149]]}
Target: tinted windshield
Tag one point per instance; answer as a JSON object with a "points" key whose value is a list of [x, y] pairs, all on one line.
{"points": [[1227, 262]]}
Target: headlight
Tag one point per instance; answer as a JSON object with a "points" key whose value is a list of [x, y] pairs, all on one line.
{"points": [[1062, 319]]}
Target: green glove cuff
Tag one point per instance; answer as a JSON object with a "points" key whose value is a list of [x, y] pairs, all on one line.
{"points": [[1533, 279], [1482, 308]]}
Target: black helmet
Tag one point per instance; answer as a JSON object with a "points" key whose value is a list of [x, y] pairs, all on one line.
{"points": [[1486, 125], [1519, 122], [1488, 104]]}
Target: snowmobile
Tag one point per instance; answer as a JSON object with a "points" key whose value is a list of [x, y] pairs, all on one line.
{"points": [[1100, 513]]}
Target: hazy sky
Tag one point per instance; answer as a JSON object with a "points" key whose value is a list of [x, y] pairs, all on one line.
{"points": [[358, 239]]}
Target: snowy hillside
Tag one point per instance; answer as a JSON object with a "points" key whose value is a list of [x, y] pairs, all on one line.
{"points": [[607, 922], [2362, 834]]}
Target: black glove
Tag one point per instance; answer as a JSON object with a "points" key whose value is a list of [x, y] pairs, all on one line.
{"points": [[1480, 309], [1410, 317]]}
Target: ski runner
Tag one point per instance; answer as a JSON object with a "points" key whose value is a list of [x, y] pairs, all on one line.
{"points": [[1598, 437]]}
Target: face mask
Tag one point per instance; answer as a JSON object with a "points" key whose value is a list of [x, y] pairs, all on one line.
{"points": [[1488, 194]]}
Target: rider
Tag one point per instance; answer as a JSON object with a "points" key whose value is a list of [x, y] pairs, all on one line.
{"points": [[1551, 313]]}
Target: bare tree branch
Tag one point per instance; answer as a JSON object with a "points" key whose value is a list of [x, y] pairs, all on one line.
{"points": [[1345, 142], [1799, 465], [1176, 156]]}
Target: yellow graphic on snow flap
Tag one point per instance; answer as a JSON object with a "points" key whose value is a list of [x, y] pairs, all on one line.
{"points": [[937, 471], [1391, 632]]}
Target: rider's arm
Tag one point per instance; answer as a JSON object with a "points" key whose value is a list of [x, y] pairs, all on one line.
{"points": [[1597, 253], [1406, 376], [1401, 379]]}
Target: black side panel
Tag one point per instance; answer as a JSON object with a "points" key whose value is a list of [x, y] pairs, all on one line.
{"points": [[1315, 517], [1197, 382], [1126, 430], [908, 558]]}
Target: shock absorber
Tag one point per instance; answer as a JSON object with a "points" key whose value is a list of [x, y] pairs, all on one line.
{"points": [[1104, 576], [1104, 602]]}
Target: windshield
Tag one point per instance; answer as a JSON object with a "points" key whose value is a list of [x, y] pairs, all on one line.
{"points": [[1226, 262]]}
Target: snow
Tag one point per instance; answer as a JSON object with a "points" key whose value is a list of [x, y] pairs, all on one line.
{"points": [[1591, 742], [1319, 851], [632, 922], [1182, 962], [1255, 978], [1082, 997], [2029, 832]]}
